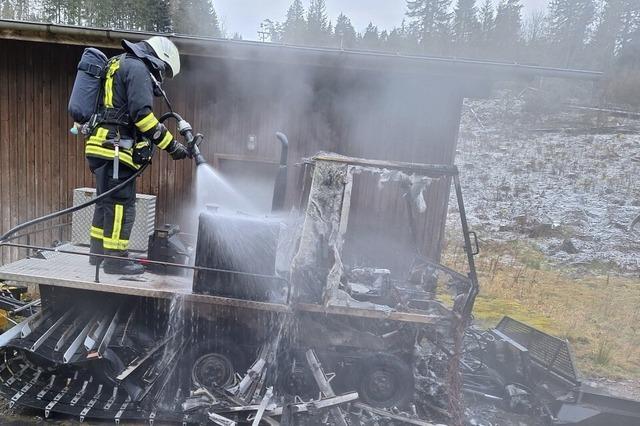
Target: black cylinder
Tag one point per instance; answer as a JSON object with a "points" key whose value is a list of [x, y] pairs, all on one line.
{"points": [[236, 242]]}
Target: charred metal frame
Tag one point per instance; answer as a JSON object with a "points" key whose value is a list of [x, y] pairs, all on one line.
{"points": [[428, 170], [94, 334]]}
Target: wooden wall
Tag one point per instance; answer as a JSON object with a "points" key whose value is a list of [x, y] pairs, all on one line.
{"points": [[363, 113]]}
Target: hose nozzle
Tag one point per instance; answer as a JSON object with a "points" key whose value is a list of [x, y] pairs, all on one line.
{"points": [[192, 142], [199, 159], [194, 151]]}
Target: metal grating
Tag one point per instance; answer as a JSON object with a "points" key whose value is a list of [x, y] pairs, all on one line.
{"points": [[69, 384], [550, 352], [142, 227], [76, 392]]}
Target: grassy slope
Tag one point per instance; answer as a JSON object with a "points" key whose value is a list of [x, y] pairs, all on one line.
{"points": [[598, 314]]}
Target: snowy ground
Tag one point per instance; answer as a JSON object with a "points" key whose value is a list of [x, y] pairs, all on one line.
{"points": [[571, 195]]}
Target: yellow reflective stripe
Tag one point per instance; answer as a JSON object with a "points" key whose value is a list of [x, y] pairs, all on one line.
{"points": [[93, 147], [111, 244], [114, 242], [98, 151], [117, 221], [96, 144], [97, 232], [147, 123], [99, 137], [108, 84], [164, 143], [125, 156]]}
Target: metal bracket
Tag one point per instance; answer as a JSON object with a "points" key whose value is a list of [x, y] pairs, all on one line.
{"points": [[111, 400], [16, 376], [58, 397], [25, 388], [475, 243], [46, 388], [121, 410], [91, 403], [79, 394]]}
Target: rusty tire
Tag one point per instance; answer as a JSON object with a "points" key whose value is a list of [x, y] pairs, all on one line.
{"points": [[214, 363], [386, 381]]}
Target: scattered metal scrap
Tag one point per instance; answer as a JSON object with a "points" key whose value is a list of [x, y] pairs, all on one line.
{"points": [[397, 354]]}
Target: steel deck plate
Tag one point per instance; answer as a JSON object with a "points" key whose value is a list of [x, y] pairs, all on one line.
{"points": [[71, 271], [68, 270]]}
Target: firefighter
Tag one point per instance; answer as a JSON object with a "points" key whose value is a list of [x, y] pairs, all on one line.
{"points": [[125, 135]]}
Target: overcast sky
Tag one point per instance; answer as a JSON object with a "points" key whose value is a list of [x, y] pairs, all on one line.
{"points": [[244, 16]]}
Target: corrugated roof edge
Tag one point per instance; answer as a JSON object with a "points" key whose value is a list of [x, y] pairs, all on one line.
{"points": [[292, 54]]}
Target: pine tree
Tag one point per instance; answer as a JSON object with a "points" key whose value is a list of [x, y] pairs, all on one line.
{"points": [[383, 39], [619, 22], [196, 17], [97, 13], [271, 31], [294, 28], [344, 33], [487, 21], [431, 23], [51, 11], [507, 30], [401, 39], [318, 28], [21, 9], [535, 27], [617, 50], [74, 12], [395, 41], [158, 16], [371, 37], [7, 10], [568, 25], [465, 24]]}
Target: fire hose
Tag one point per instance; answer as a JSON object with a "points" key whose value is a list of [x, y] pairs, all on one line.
{"points": [[194, 152]]}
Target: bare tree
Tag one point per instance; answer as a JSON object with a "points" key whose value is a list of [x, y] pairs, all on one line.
{"points": [[534, 26]]}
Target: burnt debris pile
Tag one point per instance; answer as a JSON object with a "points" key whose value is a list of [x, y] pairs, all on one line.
{"points": [[335, 314]]}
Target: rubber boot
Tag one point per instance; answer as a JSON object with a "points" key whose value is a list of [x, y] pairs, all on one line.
{"points": [[121, 267], [95, 248]]}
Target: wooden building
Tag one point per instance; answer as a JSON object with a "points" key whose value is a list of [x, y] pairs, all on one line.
{"points": [[238, 94]]}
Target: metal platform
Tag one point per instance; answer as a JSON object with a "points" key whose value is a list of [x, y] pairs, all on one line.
{"points": [[71, 271]]}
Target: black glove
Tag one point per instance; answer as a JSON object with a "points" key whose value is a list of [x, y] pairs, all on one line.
{"points": [[178, 151]]}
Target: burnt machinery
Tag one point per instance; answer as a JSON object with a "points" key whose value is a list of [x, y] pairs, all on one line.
{"points": [[274, 306], [528, 371], [288, 317]]}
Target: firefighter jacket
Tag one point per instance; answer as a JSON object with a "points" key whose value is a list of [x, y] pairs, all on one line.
{"points": [[125, 113]]}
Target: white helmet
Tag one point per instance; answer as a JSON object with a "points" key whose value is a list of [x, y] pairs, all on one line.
{"points": [[166, 51]]}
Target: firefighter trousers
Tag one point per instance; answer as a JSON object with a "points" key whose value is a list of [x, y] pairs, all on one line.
{"points": [[114, 216]]}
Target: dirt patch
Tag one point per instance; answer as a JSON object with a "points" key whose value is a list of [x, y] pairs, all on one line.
{"points": [[623, 388]]}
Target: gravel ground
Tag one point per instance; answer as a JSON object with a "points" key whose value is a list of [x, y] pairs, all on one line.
{"points": [[571, 195]]}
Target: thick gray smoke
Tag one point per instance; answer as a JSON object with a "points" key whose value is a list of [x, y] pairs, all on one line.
{"points": [[323, 101]]}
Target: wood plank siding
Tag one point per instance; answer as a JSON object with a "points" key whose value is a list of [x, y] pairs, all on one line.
{"points": [[392, 115]]}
